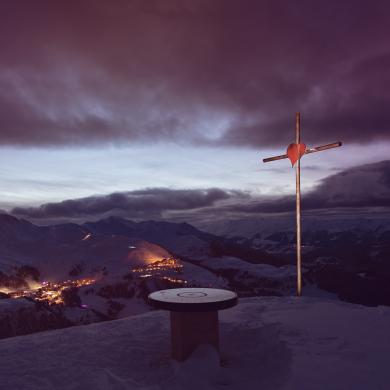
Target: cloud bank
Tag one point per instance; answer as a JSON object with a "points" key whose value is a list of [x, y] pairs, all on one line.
{"points": [[220, 72], [359, 187], [147, 203], [363, 187]]}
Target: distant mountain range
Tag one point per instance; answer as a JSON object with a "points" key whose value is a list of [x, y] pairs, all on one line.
{"points": [[126, 260], [58, 246], [346, 255]]}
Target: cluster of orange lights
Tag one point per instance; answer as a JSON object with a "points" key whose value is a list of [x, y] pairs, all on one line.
{"points": [[51, 292], [174, 280], [159, 267]]}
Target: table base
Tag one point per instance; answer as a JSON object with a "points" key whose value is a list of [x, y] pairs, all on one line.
{"points": [[191, 329]]}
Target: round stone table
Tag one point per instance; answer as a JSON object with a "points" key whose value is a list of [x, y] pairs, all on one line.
{"points": [[194, 316]]}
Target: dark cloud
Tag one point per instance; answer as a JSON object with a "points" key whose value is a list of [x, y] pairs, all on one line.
{"points": [[204, 72], [359, 188], [147, 203], [365, 186]]}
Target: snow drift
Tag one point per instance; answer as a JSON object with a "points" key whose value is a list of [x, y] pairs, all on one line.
{"points": [[266, 343]]}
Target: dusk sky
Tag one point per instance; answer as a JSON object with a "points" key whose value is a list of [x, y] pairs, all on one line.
{"points": [[144, 108]]}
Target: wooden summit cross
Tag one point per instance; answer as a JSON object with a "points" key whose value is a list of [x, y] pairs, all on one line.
{"points": [[294, 153]]}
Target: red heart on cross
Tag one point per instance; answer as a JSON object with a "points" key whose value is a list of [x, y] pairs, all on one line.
{"points": [[295, 152]]}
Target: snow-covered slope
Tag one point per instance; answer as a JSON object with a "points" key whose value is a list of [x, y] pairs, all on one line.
{"points": [[266, 343], [249, 279], [111, 243], [113, 264], [21, 316], [180, 238], [346, 255], [266, 225]]}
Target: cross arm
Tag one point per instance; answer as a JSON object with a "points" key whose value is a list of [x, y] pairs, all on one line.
{"points": [[308, 150]]}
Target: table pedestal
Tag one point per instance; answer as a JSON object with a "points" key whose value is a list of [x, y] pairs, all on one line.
{"points": [[191, 329], [194, 316]]}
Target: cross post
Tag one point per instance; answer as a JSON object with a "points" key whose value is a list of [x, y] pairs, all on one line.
{"points": [[294, 153], [298, 204]]}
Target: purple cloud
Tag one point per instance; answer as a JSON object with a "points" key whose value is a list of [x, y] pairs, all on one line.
{"points": [[218, 72], [147, 203]]}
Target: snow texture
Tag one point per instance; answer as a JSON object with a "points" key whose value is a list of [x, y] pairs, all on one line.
{"points": [[266, 343], [260, 271]]}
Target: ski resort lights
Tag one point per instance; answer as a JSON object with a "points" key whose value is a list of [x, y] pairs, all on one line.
{"points": [[160, 265], [51, 292], [166, 269], [174, 280]]}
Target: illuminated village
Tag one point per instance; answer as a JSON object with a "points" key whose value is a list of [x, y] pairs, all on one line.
{"points": [[51, 292], [159, 269], [168, 270]]}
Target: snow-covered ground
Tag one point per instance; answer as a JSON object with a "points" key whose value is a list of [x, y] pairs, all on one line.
{"points": [[266, 343], [269, 224], [256, 270], [253, 279]]}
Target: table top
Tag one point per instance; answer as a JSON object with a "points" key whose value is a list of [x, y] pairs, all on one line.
{"points": [[193, 299]]}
